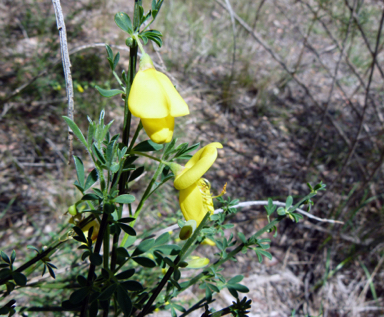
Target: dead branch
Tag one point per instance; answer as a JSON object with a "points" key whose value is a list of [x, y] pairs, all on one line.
{"points": [[67, 69]]}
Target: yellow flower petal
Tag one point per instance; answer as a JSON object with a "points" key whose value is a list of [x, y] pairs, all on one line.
{"points": [[208, 241], [197, 166], [191, 204], [96, 227], [176, 103], [159, 130], [147, 98]]}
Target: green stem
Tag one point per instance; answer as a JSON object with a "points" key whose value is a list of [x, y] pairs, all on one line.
{"points": [[146, 155], [139, 43], [147, 26], [182, 255], [138, 129], [106, 248], [92, 267], [118, 79], [143, 199], [34, 260], [127, 114]]}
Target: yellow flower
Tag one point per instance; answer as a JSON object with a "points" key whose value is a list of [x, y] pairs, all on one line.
{"points": [[154, 99], [208, 241], [195, 198], [96, 227]]}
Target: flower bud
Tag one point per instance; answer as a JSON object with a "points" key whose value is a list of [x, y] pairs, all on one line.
{"points": [[197, 262], [129, 42], [72, 210], [187, 230]]}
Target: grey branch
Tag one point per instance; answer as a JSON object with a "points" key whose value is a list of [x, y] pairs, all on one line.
{"points": [[255, 203], [66, 67]]}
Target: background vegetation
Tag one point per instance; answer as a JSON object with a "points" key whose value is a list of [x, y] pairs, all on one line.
{"points": [[282, 84]]}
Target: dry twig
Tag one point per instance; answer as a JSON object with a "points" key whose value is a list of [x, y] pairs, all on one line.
{"points": [[67, 69]]}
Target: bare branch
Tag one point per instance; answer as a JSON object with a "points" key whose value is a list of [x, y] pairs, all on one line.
{"points": [[320, 127], [356, 140], [257, 203], [66, 67], [234, 38]]}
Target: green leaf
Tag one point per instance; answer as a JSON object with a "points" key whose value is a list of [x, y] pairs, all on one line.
{"points": [[96, 259], [109, 152], [136, 173], [122, 252], [297, 216], [132, 286], [236, 279], [31, 247], [124, 301], [90, 197], [108, 93], [155, 39], [147, 146], [124, 199], [13, 256], [144, 38], [108, 292], [169, 249], [98, 154], [5, 273], [179, 308], [232, 291], [19, 278], [208, 293], [281, 211], [162, 238], [91, 179], [78, 295], [125, 274], [123, 21], [144, 246], [131, 240], [239, 287], [79, 170], [81, 280], [176, 274], [126, 220], [76, 131], [145, 262], [50, 270], [109, 51], [116, 60], [288, 202], [265, 253], [80, 234], [93, 309], [5, 257], [242, 237], [127, 229]]}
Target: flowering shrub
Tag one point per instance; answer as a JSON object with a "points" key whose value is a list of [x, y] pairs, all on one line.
{"points": [[123, 265]]}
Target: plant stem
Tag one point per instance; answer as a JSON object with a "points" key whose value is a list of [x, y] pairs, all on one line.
{"points": [[138, 129], [33, 260], [127, 113], [106, 248], [143, 199], [91, 272], [182, 255], [118, 80], [146, 155]]}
